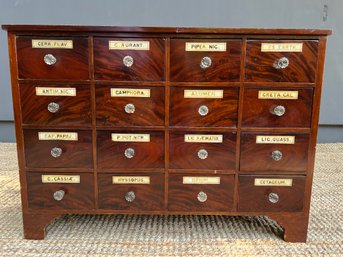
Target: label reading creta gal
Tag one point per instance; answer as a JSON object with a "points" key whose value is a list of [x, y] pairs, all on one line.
{"points": [[129, 92], [45, 43], [271, 94], [69, 179], [129, 45], [130, 137], [281, 47], [273, 182], [195, 138], [130, 180], [205, 47], [285, 140], [201, 180], [66, 136], [55, 91], [203, 93]]}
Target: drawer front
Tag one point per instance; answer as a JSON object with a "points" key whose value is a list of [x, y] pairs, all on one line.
{"points": [[281, 61], [203, 150], [47, 58], [142, 191], [273, 109], [129, 59], [55, 104], [58, 148], [136, 150], [205, 60], [203, 107], [274, 152], [129, 106], [200, 192], [55, 191], [271, 193]]}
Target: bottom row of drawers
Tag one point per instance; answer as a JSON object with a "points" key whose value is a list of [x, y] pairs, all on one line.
{"points": [[185, 192]]}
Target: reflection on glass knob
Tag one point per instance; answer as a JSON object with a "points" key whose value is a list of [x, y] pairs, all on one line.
{"points": [[129, 153], [281, 63], [56, 152], [202, 154], [205, 62], [128, 61], [58, 195], [130, 196], [273, 197], [276, 155], [53, 107], [203, 110], [279, 110], [202, 196], [130, 108], [49, 59]]}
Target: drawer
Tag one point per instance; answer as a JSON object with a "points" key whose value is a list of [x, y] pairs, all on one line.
{"points": [[61, 105], [281, 61], [60, 191], [129, 106], [277, 108], [215, 107], [271, 193], [142, 191], [136, 150], [274, 152], [205, 60], [58, 148], [202, 150], [59, 58], [200, 192], [129, 59]]}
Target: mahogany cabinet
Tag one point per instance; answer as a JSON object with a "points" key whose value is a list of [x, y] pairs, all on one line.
{"points": [[138, 120]]}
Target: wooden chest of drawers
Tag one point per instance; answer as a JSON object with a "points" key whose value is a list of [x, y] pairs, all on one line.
{"points": [[166, 121]]}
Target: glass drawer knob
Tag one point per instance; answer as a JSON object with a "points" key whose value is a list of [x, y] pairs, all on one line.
{"points": [[56, 152], [130, 196], [203, 110], [58, 195], [279, 110], [130, 108], [128, 61], [281, 63], [129, 153], [202, 196], [273, 197], [202, 154], [205, 62], [53, 107], [49, 59], [277, 155]]}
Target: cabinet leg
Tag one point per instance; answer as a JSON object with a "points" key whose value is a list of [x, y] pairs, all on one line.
{"points": [[294, 225], [35, 223]]}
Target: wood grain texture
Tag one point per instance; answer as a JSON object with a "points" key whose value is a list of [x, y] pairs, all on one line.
{"points": [[77, 196], [302, 65], [110, 111], [73, 110], [183, 155], [147, 196], [75, 154], [71, 63], [184, 196], [185, 66], [222, 111], [258, 157], [259, 112], [147, 154], [148, 65], [255, 198]]}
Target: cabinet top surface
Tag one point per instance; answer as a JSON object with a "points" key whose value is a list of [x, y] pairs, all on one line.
{"points": [[176, 30]]}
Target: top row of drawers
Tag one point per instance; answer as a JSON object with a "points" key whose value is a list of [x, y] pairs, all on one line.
{"points": [[144, 59]]}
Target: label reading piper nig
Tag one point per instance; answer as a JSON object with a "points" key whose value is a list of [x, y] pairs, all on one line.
{"points": [[205, 47], [68, 179]]}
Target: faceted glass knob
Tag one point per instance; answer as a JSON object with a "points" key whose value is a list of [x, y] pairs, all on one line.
{"points": [[202, 196], [53, 107], [279, 110], [129, 153], [273, 197], [130, 196], [49, 59], [277, 155], [202, 154], [281, 63], [203, 110], [58, 195], [128, 61], [130, 108], [56, 152], [206, 62]]}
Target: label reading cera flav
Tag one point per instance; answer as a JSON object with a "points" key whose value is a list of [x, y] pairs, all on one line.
{"points": [[47, 43]]}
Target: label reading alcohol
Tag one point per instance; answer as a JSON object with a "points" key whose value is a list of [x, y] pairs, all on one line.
{"points": [[281, 47], [273, 182], [285, 140], [68, 179], [129, 92], [271, 94], [130, 180], [45, 43], [195, 138], [130, 137], [129, 45], [201, 180], [205, 47], [66, 136], [203, 93], [55, 91]]}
